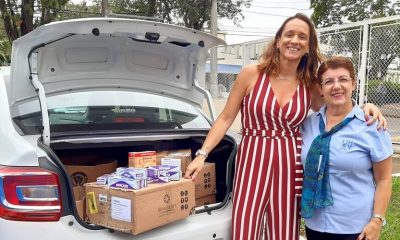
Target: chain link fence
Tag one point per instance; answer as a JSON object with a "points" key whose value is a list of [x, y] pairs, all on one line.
{"points": [[372, 45]]}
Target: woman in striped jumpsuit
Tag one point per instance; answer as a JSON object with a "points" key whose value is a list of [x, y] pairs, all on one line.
{"points": [[274, 98]]}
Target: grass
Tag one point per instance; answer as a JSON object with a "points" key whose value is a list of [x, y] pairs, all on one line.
{"points": [[392, 229]]}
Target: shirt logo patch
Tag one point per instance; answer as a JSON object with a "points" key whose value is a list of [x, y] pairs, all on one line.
{"points": [[346, 144]]}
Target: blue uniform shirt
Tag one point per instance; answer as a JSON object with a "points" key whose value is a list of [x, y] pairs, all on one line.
{"points": [[353, 150]]}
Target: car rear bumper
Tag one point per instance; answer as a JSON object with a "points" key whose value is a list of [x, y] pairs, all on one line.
{"points": [[203, 226]]}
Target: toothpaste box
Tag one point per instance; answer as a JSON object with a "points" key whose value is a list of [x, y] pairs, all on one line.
{"points": [[126, 183], [172, 172], [159, 179], [185, 155], [103, 180], [133, 173], [142, 159], [169, 161]]}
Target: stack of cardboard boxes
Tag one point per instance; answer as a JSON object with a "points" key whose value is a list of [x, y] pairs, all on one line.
{"points": [[136, 211], [85, 171], [143, 196]]}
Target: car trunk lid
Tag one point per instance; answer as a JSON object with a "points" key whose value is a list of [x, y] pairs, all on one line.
{"points": [[108, 54]]}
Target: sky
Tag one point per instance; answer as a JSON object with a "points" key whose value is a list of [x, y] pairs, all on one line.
{"points": [[262, 19]]}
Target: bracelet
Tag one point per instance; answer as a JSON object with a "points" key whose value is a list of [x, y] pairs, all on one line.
{"points": [[380, 217], [202, 153]]}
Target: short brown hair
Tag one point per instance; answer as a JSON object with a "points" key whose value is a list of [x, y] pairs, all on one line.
{"points": [[307, 69], [334, 63]]}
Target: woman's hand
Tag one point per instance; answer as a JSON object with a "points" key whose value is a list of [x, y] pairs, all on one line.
{"points": [[372, 230], [372, 110], [194, 167]]}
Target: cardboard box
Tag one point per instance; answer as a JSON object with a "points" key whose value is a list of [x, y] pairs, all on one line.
{"points": [[185, 155], [81, 174], [206, 200], [205, 180], [97, 203], [142, 159], [160, 155], [79, 195], [136, 211]]}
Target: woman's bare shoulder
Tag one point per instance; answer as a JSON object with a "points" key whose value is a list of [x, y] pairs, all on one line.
{"points": [[250, 69], [249, 72]]}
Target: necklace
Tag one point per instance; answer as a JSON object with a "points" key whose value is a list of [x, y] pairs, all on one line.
{"points": [[282, 77]]}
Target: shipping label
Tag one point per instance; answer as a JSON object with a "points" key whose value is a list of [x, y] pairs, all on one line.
{"points": [[121, 209]]}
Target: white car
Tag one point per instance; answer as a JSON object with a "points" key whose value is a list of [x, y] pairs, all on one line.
{"points": [[100, 86]]}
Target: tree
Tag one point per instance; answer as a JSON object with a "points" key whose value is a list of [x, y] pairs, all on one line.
{"points": [[18, 16], [384, 44], [333, 12], [194, 14]]}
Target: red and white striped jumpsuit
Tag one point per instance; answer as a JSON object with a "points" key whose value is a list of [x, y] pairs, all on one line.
{"points": [[268, 167]]}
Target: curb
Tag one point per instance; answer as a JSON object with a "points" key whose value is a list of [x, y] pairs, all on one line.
{"points": [[396, 148]]}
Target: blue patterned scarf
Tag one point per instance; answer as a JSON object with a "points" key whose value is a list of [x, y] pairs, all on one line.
{"points": [[316, 187]]}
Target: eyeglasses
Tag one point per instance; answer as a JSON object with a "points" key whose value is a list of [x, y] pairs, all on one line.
{"points": [[329, 82]]}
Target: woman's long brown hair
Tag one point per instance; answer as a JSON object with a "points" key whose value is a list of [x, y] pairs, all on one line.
{"points": [[307, 68]]}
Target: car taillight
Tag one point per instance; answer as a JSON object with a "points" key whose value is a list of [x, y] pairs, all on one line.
{"points": [[29, 194]]}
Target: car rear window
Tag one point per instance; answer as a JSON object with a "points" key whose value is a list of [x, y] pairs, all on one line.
{"points": [[113, 110]]}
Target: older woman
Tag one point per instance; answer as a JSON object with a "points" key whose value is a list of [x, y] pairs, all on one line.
{"points": [[347, 164]]}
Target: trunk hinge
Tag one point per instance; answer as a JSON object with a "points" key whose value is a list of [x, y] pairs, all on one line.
{"points": [[42, 98], [208, 97]]}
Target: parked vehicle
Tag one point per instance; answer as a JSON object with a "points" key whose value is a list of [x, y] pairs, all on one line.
{"points": [[102, 86]]}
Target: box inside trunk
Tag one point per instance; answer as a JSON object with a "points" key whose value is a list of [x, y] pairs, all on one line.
{"points": [[101, 157]]}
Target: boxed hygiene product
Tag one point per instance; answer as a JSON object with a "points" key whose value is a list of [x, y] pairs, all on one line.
{"points": [[185, 155], [142, 159]]}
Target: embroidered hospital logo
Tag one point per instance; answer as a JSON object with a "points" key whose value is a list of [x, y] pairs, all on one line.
{"points": [[346, 144]]}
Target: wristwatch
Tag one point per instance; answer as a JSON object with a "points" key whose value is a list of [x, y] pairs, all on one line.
{"points": [[202, 153], [380, 217]]}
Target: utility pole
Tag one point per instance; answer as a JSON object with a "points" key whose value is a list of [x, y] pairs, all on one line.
{"points": [[104, 8], [214, 61]]}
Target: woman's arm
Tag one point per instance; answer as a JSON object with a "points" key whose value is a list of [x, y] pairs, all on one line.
{"points": [[225, 119], [383, 178], [373, 113]]}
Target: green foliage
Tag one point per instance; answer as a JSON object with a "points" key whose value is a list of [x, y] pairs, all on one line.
{"points": [[391, 96], [194, 14], [18, 16], [332, 12], [5, 52], [392, 230], [82, 10]]}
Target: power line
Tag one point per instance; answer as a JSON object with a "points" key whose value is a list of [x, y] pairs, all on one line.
{"points": [[248, 35], [269, 14], [228, 28], [301, 9], [267, 2], [238, 31]]}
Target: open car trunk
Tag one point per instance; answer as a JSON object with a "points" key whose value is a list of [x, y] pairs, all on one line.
{"points": [[102, 148]]}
